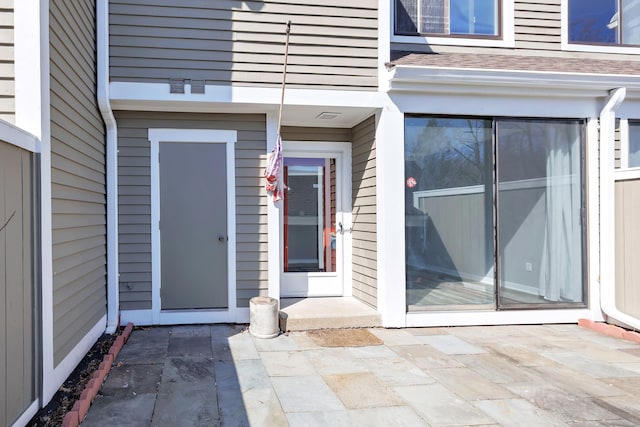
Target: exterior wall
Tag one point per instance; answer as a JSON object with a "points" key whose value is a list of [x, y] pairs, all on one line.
{"points": [[537, 33], [627, 247], [7, 70], [294, 133], [134, 186], [364, 212], [18, 304], [332, 45], [77, 176]]}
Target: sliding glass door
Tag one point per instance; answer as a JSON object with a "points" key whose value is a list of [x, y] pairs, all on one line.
{"points": [[540, 227], [449, 212], [494, 213]]}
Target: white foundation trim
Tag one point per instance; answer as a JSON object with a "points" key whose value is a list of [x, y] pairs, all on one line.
{"points": [[137, 317], [242, 314], [69, 363], [27, 414], [145, 317], [522, 317], [205, 136]]}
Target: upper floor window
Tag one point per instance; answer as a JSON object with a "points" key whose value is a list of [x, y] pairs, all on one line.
{"points": [[447, 17], [607, 22]]}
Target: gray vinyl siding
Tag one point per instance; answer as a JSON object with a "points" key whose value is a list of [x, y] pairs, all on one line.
{"points": [[134, 186], [537, 32], [294, 133], [18, 301], [365, 256], [627, 247], [333, 44], [77, 176], [7, 70]]}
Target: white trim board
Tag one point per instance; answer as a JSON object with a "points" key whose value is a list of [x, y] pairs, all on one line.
{"points": [[27, 414], [204, 136], [511, 317], [145, 317], [14, 135]]}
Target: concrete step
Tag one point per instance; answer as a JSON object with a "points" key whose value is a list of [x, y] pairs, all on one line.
{"points": [[304, 314]]}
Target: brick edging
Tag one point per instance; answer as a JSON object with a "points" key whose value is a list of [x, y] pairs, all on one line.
{"points": [[611, 330], [74, 417]]}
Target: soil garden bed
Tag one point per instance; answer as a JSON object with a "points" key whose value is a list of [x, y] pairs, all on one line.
{"points": [[69, 392]]}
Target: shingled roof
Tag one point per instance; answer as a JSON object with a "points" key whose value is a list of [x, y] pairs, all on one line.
{"points": [[516, 63]]}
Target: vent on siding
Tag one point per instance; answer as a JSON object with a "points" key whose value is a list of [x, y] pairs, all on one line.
{"points": [[176, 86], [197, 86]]}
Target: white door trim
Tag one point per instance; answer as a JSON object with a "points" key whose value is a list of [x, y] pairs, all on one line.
{"points": [[342, 150], [205, 136]]}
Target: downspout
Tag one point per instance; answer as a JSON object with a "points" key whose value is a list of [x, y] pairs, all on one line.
{"points": [[102, 35], [607, 211]]}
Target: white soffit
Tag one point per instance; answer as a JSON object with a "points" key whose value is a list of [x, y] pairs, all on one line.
{"points": [[302, 107]]}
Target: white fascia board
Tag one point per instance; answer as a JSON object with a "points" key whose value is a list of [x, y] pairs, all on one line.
{"points": [[127, 95], [19, 137], [413, 78]]}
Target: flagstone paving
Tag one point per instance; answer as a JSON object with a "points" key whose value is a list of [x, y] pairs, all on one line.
{"points": [[551, 375]]}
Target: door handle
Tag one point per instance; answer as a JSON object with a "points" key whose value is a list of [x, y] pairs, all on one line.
{"points": [[342, 229], [221, 238]]}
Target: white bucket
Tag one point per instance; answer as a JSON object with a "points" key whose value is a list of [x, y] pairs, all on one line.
{"points": [[263, 317]]}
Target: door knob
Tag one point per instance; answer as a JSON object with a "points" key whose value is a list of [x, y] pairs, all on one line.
{"points": [[221, 238]]}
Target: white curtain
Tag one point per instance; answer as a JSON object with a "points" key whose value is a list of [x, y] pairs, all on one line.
{"points": [[561, 265]]}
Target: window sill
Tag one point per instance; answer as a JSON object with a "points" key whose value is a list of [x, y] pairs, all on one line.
{"points": [[634, 50], [507, 41]]}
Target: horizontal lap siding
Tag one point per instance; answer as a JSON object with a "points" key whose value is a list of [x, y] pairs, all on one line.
{"points": [[7, 70], [332, 44], [134, 186], [537, 33], [77, 176], [365, 255], [294, 133]]}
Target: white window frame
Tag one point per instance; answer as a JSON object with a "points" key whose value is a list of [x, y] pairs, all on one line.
{"points": [[506, 29], [583, 47], [625, 142]]}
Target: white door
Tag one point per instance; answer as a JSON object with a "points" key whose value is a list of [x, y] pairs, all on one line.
{"points": [[315, 219]]}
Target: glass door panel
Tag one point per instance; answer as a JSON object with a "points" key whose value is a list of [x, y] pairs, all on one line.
{"points": [[311, 218], [540, 205], [309, 215], [449, 213]]}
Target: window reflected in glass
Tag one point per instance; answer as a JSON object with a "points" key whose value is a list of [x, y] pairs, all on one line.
{"points": [[609, 22], [447, 17]]}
